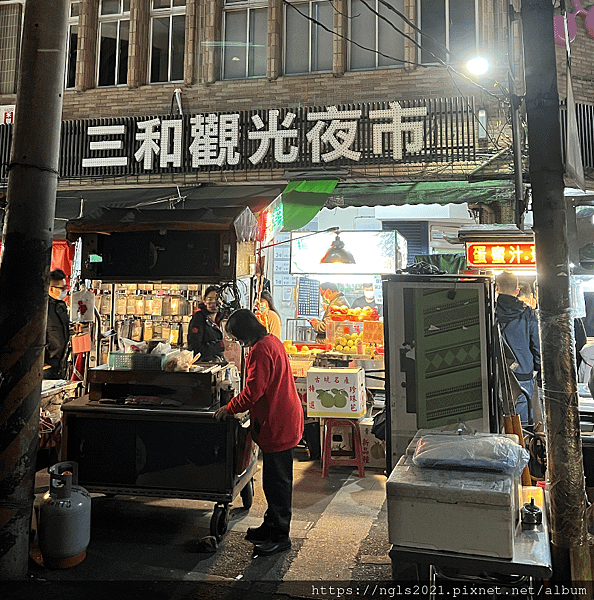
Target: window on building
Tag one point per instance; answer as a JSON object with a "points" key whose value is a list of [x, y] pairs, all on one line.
{"points": [[168, 38], [376, 41], [71, 44], [308, 43], [10, 34], [245, 39], [114, 36], [452, 24]]}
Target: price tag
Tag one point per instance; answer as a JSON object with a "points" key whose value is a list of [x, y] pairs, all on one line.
{"points": [[373, 332]]}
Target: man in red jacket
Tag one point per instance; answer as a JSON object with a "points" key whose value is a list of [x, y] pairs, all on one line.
{"points": [[276, 418]]}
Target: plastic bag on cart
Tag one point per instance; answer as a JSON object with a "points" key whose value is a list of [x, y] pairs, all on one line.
{"points": [[128, 345], [179, 361], [161, 348], [479, 452]]}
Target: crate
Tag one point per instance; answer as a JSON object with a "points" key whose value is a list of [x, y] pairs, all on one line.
{"points": [[136, 361], [337, 329]]}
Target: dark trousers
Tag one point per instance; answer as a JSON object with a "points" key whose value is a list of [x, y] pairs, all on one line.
{"points": [[277, 483]]}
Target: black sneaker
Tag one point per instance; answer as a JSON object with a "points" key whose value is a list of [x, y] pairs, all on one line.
{"points": [[272, 547], [258, 535]]}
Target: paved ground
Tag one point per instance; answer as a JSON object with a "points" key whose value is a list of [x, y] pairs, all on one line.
{"points": [[154, 548]]}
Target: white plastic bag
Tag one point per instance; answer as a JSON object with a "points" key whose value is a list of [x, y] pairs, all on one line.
{"points": [[161, 348], [128, 345]]}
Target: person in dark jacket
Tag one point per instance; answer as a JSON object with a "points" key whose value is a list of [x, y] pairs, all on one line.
{"points": [[57, 333], [276, 420], [331, 297], [204, 331], [518, 324]]}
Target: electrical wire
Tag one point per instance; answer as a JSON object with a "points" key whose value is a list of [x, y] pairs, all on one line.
{"points": [[344, 37]]}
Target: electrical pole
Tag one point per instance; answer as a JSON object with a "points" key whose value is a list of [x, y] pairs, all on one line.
{"points": [[565, 471], [24, 272]]}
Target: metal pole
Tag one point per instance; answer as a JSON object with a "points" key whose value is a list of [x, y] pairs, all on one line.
{"points": [[565, 471], [516, 124], [27, 245]]}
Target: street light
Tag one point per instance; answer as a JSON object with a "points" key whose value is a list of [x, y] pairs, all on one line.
{"points": [[478, 65]]}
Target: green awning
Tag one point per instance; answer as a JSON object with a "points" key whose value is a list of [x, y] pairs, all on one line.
{"points": [[423, 192], [303, 200]]}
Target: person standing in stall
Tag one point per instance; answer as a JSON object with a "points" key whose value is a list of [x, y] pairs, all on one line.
{"points": [[331, 297], [57, 335], [276, 418], [368, 300], [204, 331], [268, 315]]}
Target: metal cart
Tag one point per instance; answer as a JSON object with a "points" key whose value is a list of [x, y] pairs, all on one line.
{"points": [[163, 451]]}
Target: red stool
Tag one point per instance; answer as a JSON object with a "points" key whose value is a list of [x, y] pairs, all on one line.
{"points": [[328, 459]]}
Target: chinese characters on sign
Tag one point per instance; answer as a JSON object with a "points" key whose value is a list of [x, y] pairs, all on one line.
{"points": [[222, 140], [493, 255]]}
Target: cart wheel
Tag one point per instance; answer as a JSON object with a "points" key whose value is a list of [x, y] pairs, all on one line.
{"points": [[247, 494], [219, 521]]}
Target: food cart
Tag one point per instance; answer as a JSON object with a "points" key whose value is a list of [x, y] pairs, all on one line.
{"points": [[141, 429], [152, 433]]}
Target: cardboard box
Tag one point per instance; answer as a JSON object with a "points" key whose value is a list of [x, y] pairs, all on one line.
{"points": [[374, 450], [338, 392], [301, 385]]}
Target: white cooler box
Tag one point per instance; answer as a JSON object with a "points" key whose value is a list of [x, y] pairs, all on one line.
{"points": [[454, 511]]}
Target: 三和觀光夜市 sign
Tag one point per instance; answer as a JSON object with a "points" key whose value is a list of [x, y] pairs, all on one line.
{"points": [[429, 130]]}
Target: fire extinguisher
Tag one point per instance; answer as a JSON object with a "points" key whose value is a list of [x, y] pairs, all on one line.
{"points": [[64, 518]]}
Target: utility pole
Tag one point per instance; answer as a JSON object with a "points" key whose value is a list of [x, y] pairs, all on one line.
{"points": [[564, 450], [24, 272]]}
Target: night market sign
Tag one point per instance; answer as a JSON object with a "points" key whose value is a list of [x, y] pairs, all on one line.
{"points": [[383, 133]]}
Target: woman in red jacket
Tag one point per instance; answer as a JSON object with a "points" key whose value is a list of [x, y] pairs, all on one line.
{"points": [[276, 418]]}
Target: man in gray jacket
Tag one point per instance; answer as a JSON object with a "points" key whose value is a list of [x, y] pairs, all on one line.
{"points": [[331, 297]]}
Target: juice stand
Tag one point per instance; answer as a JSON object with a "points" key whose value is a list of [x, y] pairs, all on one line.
{"points": [[354, 335]]}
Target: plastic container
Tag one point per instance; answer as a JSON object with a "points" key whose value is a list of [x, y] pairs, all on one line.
{"points": [[136, 361], [300, 368]]}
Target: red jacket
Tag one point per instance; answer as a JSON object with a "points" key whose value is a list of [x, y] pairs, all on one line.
{"points": [[276, 414]]}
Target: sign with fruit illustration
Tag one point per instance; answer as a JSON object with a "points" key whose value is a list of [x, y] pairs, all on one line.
{"points": [[336, 392], [374, 450]]}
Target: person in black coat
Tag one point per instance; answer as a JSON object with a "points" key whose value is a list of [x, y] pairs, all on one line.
{"points": [[518, 324], [204, 332], [57, 335]]}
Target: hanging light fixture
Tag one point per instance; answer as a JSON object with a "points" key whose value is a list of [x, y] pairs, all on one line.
{"points": [[337, 253]]}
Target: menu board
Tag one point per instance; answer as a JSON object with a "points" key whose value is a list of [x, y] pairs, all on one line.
{"points": [[308, 298]]}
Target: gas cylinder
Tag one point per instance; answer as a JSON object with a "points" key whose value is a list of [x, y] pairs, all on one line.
{"points": [[64, 518]]}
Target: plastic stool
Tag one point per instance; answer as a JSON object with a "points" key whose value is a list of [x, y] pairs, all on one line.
{"points": [[328, 459]]}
